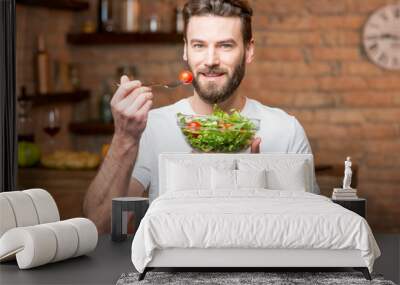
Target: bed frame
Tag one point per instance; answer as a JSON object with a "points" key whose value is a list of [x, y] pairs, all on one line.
{"points": [[247, 259]]}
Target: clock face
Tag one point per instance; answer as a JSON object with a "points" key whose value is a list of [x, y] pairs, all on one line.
{"points": [[381, 37]]}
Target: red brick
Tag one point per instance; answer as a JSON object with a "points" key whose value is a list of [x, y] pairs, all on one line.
{"points": [[387, 82], [373, 186], [341, 38], [331, 116], [314, 100], [342, 83], [291, 68], [302, 100], [380, 131], [353, 148], [360, 68], [280, 54], [283, 22], [279, 7], [366, 7], [333, 151], [396, 98], [305, 22], [290, 39], [277, 83], [340, 116], [278, 99], [382, 146], [336, 53], [302, 115], [369, 99], [331, 131], [386, 115], [383, 160], [351, 22], [326, 7]]}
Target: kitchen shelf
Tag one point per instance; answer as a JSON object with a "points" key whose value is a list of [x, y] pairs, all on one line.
{"points": [[73, 5], [124, 38], [91, 128], [59, 97]]}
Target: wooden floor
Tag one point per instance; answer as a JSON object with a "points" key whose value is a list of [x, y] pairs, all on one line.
{"points": [[389, 262]]}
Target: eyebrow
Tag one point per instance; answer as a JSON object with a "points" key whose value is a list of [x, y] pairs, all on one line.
{"points": [[227, 41]]}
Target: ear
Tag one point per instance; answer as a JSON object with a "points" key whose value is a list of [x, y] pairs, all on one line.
{"points": [[250, 51], [185, 50]]}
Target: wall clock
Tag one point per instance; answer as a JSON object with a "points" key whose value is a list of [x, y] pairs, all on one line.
{"points": [[381, 37]]}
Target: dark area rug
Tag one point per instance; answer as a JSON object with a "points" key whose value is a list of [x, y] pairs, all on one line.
{"points": [[269, 278]]}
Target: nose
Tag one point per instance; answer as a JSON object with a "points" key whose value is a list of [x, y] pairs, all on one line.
{"points": [[212, 57]]}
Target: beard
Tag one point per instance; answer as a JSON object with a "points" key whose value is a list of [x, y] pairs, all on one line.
{"points": [[211, 92]]}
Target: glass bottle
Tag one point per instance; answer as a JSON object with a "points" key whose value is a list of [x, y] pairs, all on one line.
{"points": [[178, 21], [25, 122], [42, 67], [105, 105], [154, 23], [130, 14], [105, 21]]}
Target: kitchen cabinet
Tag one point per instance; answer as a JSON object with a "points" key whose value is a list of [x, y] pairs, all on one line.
{"points": [[68, 187]]}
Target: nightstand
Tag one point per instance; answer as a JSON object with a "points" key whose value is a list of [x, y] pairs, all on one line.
{"points": [[119, 217], [358, 205]]}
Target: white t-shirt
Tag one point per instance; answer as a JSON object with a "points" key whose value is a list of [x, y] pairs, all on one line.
{"points": [[279, 132]]}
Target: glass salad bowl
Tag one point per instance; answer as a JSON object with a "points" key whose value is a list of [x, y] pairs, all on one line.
{"points": [[220, 132]]}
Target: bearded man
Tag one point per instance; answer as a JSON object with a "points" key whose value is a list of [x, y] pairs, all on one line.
{"points": [[218, 45]]}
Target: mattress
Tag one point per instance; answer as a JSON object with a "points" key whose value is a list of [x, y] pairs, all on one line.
{"points": [[250, 219]]}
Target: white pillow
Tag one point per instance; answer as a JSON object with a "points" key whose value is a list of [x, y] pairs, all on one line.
{"points": [[251, 178], [183, 178], [285, 174], [237, 179], [292, 179], [190, 175], [223, 179]]}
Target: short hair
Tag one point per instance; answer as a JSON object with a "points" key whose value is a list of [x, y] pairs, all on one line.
{"points": [[224, 8]]}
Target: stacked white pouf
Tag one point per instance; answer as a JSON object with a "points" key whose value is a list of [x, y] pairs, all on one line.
{"points": [[31, 230]]}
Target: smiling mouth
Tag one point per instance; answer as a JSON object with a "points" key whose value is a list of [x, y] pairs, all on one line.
{"points": [[212, 75]]}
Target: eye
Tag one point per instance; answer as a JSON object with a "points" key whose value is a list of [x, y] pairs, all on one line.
{"points": [[226, 46], [197, 46]]}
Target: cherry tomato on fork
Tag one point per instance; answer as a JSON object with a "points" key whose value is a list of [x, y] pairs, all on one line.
{"points": [[186, 77]]}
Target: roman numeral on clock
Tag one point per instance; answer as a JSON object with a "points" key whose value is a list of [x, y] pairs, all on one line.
{"points": [[373, 47], [383, 58], [397, 13], [384, 17]]}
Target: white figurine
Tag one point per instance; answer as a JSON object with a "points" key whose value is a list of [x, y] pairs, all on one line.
{"points": [[347, 173]]}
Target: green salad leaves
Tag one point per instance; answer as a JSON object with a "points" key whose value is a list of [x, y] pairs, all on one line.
{"points": [[218, 132]]}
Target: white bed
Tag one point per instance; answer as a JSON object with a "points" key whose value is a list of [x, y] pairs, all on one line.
{"points": [[203, 221]]}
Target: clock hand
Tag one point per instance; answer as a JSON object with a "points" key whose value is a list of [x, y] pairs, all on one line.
{"points": [[385, 36], [390, 36]]}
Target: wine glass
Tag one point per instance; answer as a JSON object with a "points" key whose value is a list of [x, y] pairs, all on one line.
{"points": [[52, 125]]}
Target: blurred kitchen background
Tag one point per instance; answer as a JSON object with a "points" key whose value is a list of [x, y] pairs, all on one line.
{"points": [[310, 61]]}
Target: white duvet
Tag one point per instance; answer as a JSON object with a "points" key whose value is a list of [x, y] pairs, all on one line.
{"points": [[252, 218]]}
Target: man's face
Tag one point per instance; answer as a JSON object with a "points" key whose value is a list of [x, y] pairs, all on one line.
{"points": [[216, 55]]}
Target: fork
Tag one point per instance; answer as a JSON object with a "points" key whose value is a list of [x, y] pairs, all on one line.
{"points": [[169, 85]]}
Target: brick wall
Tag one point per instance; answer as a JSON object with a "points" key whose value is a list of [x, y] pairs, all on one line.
{"points": [[309, 61]]}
